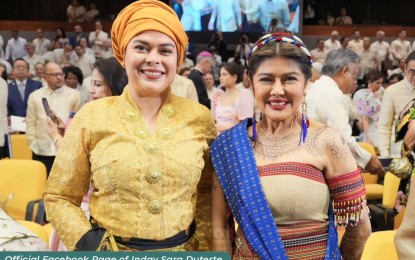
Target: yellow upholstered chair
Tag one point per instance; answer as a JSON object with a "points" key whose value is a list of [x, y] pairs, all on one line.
{"points": [[368, 147], [383, 212], [36, 228], [374, 190], [391, 186], [48, 228], [26, 179], [20, 147], [380, 246]]}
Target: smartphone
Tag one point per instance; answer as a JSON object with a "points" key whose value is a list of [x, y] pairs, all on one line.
{"points": [[48, 110]]}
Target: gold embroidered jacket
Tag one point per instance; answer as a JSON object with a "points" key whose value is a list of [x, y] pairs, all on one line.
{"points": [[144, 185]]}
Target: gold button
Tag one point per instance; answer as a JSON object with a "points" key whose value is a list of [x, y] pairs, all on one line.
{"points": [[166, 134], [151, 148], [131, 116], [168, 110], [155, 206], [141, 133], [153, 176]]}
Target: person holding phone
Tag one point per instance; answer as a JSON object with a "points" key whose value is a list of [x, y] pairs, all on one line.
{"points": [[108, 79], [62, 100], [146, 152]]}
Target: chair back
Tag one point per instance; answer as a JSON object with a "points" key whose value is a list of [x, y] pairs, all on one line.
{"points": [[390, 189], [370, 178], [368, 147], [37, 229], [20, 147], [380, 245], [26, 179]]}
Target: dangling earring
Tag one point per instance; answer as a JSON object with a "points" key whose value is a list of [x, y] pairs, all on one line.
{"points": [[254, 130], [305, 123], [254, 133]]}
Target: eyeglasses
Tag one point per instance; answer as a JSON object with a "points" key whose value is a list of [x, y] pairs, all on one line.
{"points": [[55, 74]]}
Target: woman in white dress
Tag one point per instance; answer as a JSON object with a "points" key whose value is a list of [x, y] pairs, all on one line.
{"points": [[368, 102]]}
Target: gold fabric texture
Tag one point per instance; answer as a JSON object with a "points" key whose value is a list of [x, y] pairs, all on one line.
{"points": [[145, 184]]}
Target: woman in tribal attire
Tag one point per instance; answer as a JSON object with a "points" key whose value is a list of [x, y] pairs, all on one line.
{"points": [[287, 195]]}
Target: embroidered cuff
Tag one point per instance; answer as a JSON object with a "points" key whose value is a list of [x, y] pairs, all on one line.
{"points": [[348, 193]]}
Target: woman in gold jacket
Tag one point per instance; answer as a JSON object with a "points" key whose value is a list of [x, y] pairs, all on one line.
{"points": [[144, 152]]}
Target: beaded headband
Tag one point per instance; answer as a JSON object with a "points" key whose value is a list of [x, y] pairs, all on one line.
{"points": [[279, 37]]}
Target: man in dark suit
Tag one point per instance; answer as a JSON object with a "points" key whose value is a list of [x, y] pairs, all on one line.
{"points": [[74, 39], [204, 63], [20, 88]]}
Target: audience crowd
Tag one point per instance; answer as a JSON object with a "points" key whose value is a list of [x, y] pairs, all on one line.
{"points": [[23, 67], [373, 80]]}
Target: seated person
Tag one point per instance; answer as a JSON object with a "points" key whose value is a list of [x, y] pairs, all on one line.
{"points": [[15, 237]]}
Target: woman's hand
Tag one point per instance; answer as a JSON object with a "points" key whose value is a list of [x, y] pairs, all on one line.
{"points": [[55, 131], [55, 128], [51, 128], [59, 123]]}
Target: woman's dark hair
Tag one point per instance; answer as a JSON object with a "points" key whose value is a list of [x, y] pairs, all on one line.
{"points": [[234, 69], [237, 59], [113, 73], [410, 57], [74, 70], [4, 74], [396, 75], [63, 33], [373, 75], [183, 70], [279, 49]]}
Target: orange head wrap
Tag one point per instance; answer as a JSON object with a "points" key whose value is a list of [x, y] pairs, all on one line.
{"points": [[146, 15]]}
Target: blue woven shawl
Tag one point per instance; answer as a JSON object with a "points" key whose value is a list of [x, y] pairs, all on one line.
{"points": [[235, 166]]}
